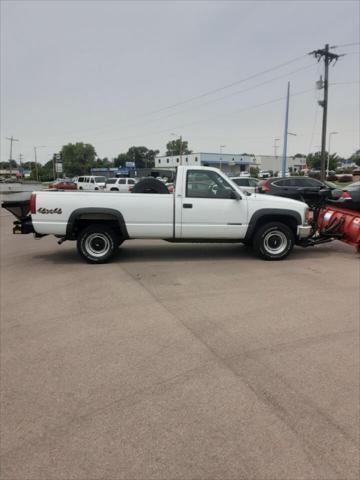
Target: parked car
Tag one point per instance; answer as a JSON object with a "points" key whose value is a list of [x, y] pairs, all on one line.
{"points": [[244, 174], [249, 185], [91, 182], [63, 184], [350, 197], [264, 174], [119, 184], [306, 189]]}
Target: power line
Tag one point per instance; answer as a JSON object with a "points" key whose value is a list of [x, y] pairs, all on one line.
{"points": [[142, 122], [235, 112], [214, 100], [345, 45], [229, 85]]}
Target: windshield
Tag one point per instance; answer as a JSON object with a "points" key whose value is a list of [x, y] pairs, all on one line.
{"points": [[100, 179]]}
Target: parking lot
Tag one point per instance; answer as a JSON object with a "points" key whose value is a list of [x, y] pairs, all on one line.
{"points": [[190, 361]]}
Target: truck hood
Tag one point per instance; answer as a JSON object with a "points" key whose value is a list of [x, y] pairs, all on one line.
{"points": [[276, 201]]}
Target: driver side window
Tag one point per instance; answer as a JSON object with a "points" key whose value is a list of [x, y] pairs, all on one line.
{"points": [[206, 184]]}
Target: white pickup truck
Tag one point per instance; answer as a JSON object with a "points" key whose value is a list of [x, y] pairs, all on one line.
{"points": [[206, 206]]}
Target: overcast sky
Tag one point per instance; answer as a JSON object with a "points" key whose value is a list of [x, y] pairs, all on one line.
{"points": [[103, 72]]}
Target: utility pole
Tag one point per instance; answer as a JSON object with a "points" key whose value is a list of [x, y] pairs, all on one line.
{"points": [[328, 57], [284, 157], [12, 139]]}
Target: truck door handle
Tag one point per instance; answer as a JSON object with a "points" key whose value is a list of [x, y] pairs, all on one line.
{"points": [[187, 205]]}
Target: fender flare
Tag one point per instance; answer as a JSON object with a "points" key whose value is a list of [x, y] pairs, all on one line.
{"points": [[270, 212], [109, 212]]}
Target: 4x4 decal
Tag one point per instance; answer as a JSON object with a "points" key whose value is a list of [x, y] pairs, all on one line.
{"points": [[49, 210]]}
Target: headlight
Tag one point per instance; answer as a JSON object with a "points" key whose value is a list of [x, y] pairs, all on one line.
{"points": [[309, 216]]}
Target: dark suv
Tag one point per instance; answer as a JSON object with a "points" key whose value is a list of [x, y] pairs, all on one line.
{"points": [[306, 189]]}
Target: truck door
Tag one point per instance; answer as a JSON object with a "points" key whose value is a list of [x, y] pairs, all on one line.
{"points": [[209, 209]]}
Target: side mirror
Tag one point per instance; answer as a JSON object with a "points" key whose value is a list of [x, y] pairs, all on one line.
{"points": [[234, 195], [336, 193]]}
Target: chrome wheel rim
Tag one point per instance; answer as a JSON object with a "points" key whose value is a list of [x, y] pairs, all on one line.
{"points": [[97, 244], [275, 242]]}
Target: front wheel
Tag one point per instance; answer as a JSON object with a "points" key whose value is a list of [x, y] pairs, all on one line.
{"points": [[273, 241], [97, 243]]}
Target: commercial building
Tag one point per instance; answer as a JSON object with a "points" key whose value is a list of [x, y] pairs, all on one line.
{"points": [[229, 162], [273, 164]]}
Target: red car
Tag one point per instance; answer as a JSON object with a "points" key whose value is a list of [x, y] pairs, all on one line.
{"points": [[63, 184]]}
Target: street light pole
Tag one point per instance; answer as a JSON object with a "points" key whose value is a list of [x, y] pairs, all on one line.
{"points": [[328, 157], [36, 164], [221, 147]]}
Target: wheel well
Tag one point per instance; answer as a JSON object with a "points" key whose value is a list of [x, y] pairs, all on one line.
{"points": [[85, 220], [286, 219]]}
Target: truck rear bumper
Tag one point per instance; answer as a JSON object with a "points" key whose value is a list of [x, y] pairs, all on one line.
{"points": [[304, 231]]}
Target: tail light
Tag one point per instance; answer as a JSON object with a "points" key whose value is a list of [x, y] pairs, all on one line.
{"points": [[130, 188], [32, 203], [265, 187], [345, 195]]}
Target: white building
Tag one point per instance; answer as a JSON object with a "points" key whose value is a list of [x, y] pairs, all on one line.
{"points": [[272, 163], [228, 162]]}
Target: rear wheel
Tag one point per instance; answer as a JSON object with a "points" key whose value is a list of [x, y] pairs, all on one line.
{"points": [[114, 189], [273, 241], [97, 243]]}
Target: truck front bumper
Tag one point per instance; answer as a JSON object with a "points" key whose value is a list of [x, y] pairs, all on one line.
{"points": [[304, 231]]}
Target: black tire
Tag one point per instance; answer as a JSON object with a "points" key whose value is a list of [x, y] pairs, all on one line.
{"points": [[273, 241], [96, 188], [150, 185], [97, 243], [80, 188], [114, 189]]}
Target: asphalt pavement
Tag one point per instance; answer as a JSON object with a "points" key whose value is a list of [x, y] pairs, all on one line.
{"points": [[178, 362]]}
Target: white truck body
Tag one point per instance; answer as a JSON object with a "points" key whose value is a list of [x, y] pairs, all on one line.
{"points": [[205, 206]]}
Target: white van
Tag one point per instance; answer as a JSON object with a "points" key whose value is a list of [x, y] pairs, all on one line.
{"points": [[91, 182]]}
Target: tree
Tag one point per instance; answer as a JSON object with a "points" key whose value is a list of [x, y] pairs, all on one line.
{"points": [[254, 171], [175, 147], [6, 165], [102, 163], [78, 158], [120, 160], [299, 155], [142, 156], [355, 157], [313, 160]]}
